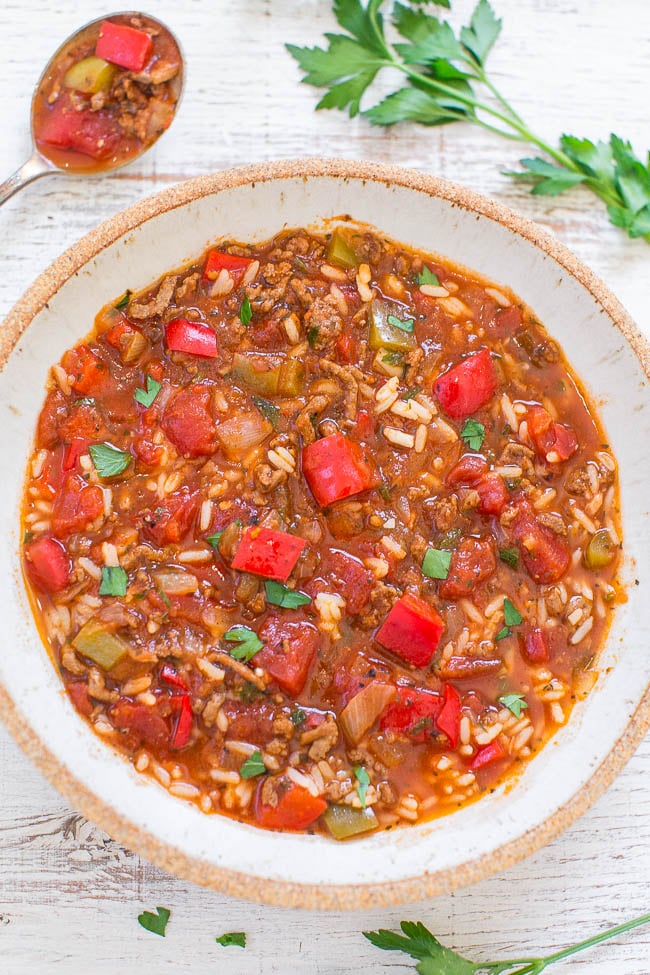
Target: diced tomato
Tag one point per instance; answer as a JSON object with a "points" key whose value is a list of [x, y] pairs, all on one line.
{"points": [[76, 505], [148, 453], [48, 563], [194, 338], [353, 580], [545, 556], [449, 717], [54, 412], [506, 321], [472, 563], [78, 691], [414, 713], [188, 421], [84, 423], [171, 520], [267, 552], [296, 809], [488, 755], [218, 261], [365, 426], [469, 469], [465, 388], [289, 649], [346, 348], [182, 708], [120, 334], [73, 452], [171, 676], [549, 437], [87, 369], [123, 45], [144, 723], [533, 645], [337, 468], [493, 494], [63, 126], [412, 630], [251, 721]]}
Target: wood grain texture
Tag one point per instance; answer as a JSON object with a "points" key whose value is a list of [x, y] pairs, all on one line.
{"points": [[69, 895]]}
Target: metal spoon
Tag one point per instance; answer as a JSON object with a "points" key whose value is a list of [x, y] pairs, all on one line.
{"points": [[46, 160]]}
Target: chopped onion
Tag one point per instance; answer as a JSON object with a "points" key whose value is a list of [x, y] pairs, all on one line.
{"points": [[241, 432], [359, 714], [175, 582]]}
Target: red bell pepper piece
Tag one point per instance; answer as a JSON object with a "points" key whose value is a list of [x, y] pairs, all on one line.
{"points": [[545, 556], [493, 494], [73, 452], [185, 718], [48, 563], [412, 630], [289, 649], [488, 755], [549, 437], [171, 676], [346, 348], [182, 335], [218, 261], [267, 552], [122, 45], [449, 717], [533, 645], [297, 808], [414, 713], [337, 468], [465, 388]]}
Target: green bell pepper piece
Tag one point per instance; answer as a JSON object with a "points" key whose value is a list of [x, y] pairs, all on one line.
{"points": [[104, 648], [384, 335], [344, 821]]}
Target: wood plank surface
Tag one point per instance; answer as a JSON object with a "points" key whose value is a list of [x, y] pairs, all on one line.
{"points": [[69, 895]]}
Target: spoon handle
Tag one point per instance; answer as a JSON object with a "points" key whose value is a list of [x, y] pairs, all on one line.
{"points": [[29, 171]]}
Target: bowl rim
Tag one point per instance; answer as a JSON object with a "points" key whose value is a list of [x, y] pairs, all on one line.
{"points": [[234, 883]]}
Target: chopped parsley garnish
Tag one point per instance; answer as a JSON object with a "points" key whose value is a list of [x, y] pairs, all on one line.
{"points": [[511, 614], [248, 643], [405, 325], [280, 595], [156, 923], [108, 460], [473, 433], [124, 300], [146, 397], [114, 581], [363, 779], [503, 633], [27, 537], [253, 766], [428, 277], [384, 491], [436, 562], [411, 393], [213, 540], [312, 336], [516, 703], [269, 411], [510, 556], [393, 358], [245, 312], [297, 717], [237, 938]]}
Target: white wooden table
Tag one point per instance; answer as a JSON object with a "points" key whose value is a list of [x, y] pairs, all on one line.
{"points": [[69, 895]]}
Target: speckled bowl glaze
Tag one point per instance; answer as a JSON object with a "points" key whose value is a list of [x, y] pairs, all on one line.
{"points": [[136, 247]]}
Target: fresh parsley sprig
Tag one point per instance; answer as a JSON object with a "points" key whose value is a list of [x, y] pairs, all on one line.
{"points": [[445, 80], [434, 959]]}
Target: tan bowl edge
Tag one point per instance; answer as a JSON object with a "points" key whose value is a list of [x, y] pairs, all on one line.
{"points": [[280, 893]]}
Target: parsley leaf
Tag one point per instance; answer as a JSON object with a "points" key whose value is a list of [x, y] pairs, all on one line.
{"points": [[146, 397], [514, 702], [393, 358], [108, 460], [503, 633], [213, 540], [248, 640], [237, 938], [245, 312], [269, 410], [297, 717], [124, 300], [411, 393], [114, 581], [405, 326], [156, 923], [473, 433], [511, 614], [280, 595], [312, 336], [436, 563], [363, 779], [441, 77], [418, 942], [510, 556], [253, 766], [428, 277]]}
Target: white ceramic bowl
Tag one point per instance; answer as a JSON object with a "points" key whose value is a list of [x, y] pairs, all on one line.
{"points": [[135, 248]]}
